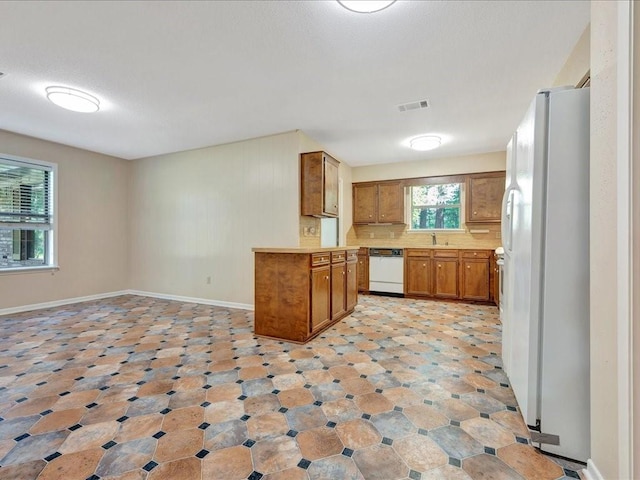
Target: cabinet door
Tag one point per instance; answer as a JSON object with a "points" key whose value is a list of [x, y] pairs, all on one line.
{"points": [[363, 273], [418, 276], [475, 279], [352, 286], [445, 278], [364, 203], [320, 298], [330, 185], [484, 197], [495, 282], [391, 203], [338, 274]]}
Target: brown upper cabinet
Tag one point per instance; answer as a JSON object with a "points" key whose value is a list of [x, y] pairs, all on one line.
{"points": [[484, 197], [380, 202], [319, 184]]}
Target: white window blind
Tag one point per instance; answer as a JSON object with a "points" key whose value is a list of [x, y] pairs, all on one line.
{"points": [[25, 195], [26, 214]]}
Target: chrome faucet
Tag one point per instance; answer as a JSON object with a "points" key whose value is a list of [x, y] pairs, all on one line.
{"points": [[433, 239]]}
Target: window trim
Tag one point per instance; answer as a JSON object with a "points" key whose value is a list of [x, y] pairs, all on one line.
{"points": [[441, 181], [52, 253]]}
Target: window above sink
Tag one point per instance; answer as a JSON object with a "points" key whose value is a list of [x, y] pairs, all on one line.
{"points": [[435, 207]]}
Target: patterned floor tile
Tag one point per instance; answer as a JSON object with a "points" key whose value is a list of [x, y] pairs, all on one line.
{"points": [[183, 469], [275, 454], [478, 465], [380, 462], [228, 464], [338, 466], [319, 443], [74, 466], [136, 388]]}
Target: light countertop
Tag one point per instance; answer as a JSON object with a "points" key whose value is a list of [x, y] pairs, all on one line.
{"points": [[303, 249]]}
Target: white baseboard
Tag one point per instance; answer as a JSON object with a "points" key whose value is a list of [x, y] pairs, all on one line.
{"points": [[592, 472], [88, 298], [204, 301], [58, 303]]}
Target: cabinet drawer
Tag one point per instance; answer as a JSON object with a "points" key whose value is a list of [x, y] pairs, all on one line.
{"points": [[352, 256], [416, 252], [363, 251], [476, 253], [445, 253], [337, 257], [319, 259]]}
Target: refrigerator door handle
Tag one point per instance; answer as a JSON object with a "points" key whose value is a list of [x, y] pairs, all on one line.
{"points": [[507, 217]]}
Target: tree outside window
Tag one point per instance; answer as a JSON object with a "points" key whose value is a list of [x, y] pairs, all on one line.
{"points": [[436, 207]]}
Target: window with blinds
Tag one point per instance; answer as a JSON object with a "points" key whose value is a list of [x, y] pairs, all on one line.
{"points": [[26, 214]]}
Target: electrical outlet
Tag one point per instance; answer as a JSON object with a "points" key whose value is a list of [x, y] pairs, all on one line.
{"points": [[392, 235], [498, 235], [208, 280], [371, 235]]}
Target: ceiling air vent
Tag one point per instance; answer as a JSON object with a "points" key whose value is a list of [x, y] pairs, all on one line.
{"points": [[417, 105]]}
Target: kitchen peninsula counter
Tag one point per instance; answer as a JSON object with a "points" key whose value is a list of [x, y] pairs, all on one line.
{"points": [[300, 292]]}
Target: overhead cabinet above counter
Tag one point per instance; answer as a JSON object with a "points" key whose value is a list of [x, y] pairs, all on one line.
{"points": [[378, 202], [484, 197], [319, 184], [383, 203]]}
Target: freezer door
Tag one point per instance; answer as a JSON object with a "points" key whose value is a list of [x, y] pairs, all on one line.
{"points": [[564, 382]]}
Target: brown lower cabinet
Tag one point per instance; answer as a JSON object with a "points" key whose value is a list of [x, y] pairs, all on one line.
{"points": [[476, 275], [351, 288], [448, 274], [299, 293], [445, 277], [320, 298], [338, 285], [363, 270]]}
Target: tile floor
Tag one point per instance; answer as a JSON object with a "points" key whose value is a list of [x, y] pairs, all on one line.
{"points": [[135, 388]]}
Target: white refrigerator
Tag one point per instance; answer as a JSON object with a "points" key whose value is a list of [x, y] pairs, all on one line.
{"points": [[545, 235]]}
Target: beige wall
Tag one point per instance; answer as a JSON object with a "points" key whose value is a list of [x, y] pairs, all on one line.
{"points": [[197, 214], [482, 162], [578, 63], [604, 278], [92, 225]]}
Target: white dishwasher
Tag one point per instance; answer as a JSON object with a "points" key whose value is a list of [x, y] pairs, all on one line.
{"points": [[386, 270]]}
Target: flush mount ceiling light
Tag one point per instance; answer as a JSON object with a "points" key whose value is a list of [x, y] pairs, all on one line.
{"points": [[73, 99], [365, 6], [423, 143]]}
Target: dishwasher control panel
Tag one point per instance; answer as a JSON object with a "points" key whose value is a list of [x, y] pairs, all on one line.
{"points": [[386, 252]]}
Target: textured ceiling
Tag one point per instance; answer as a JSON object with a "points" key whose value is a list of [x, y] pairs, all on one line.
{"points": [[175, 76]]}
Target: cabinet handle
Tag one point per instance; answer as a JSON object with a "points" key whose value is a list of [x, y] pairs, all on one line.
{"points": [[475, 213], [382, 216], [370, 216], [424, 264], [349, 271], [439, 266], [326, 278], [468, 266]]}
